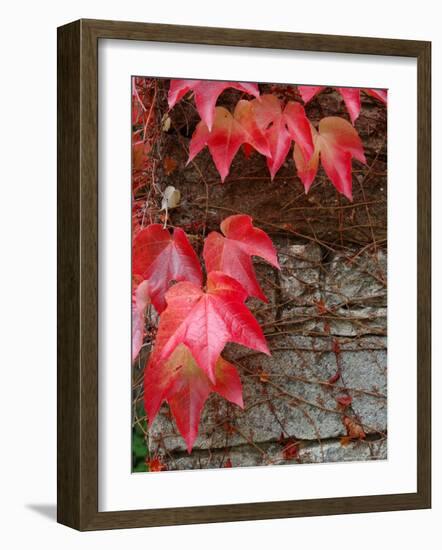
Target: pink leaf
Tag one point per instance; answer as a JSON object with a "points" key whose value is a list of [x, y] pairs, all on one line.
{"points": [[206, 321], [336, 143], [352, 100], [228, 382], [227, 135], [140, 301], [309, 92], [298, 127], [247, 150], [307, 170], [351, 97], [186, 387], [379, 94], [206, 93], [161, 258], [281, 127], [232, 252]]}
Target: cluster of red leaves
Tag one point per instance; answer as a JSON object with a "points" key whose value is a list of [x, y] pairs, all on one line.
{"points": [[351, 97], [269, 127], [196, 322]]}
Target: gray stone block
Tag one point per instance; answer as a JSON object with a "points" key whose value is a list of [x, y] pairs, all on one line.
{"points": [[288, 394], [273, 455]]}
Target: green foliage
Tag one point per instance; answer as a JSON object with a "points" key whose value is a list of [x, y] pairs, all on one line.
{"points": [[139, 447]]}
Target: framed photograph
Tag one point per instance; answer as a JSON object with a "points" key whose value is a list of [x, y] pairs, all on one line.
{"points": [[243, 275]]}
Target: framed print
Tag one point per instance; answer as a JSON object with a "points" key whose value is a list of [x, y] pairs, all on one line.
{"points": [[243, 275]]}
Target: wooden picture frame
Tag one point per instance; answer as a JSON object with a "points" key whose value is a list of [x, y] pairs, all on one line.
{"points": [[78, 274]]}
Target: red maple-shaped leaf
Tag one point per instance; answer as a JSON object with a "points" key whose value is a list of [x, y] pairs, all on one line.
{"points": [[160, 258], [182, 383], [351, 97], [352, 100], [336, 144], [232, 252], [379, 94], [309, 92], [155, 465], [281, 126], [229, 132], [206, 93], [206, 321], [140, 301]]}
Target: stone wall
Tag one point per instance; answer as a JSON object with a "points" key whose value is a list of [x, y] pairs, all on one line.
{"points": [[326, 328], [326, 320]]}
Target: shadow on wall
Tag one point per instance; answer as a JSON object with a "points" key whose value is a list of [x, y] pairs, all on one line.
{"points": [[48, 511]]}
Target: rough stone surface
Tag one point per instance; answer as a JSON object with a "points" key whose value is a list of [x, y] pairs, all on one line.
{"points": [[354, 277], [288, 394], [300, 274], [273, 454], [319, 328]]}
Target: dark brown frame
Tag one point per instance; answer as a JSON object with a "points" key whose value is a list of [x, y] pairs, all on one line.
{"points": [[78, 268]]}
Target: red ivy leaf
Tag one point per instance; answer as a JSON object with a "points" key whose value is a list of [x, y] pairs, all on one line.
{"points": [[352, 100], [309, 92], [206, 94], [227, 135], [186, 388], [161, 258], [140, 301], [281, 127], [290, 450], [155, 465], [228, 382], [232, 252], [380, 94], [206, 321], [344, 400], [354, 430], [336, 143], [351, 97], [247, 149]]}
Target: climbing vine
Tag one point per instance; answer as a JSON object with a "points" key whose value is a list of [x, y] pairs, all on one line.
{"points": [[201, 299]]}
